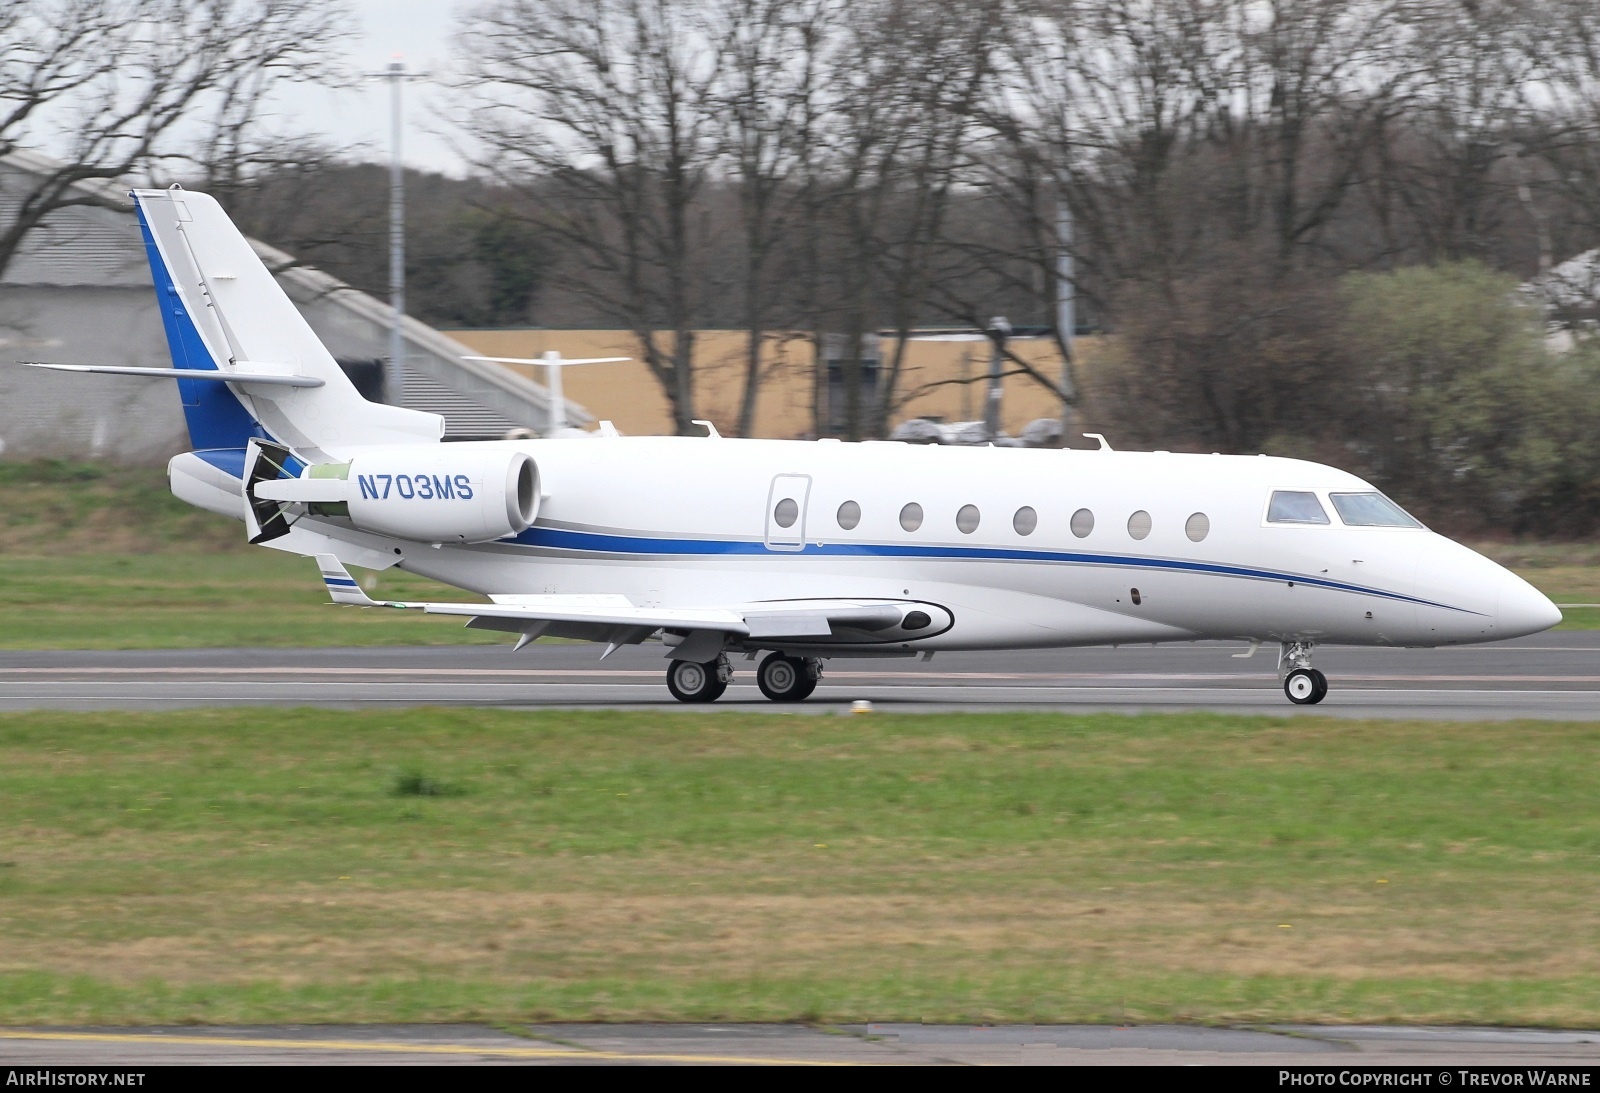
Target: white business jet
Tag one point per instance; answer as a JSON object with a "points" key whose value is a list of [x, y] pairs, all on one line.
{"points": [[802, 551]]}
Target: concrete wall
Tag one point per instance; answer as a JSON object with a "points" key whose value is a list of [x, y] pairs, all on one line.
{"points": [[79, 292], [53, 414]]}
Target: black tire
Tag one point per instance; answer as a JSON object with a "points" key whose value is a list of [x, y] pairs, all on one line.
{"points": [[1300, 687], [691, 681], [785, 679], [1322, 686]]}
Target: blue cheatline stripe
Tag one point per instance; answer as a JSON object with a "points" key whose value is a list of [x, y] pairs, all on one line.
{"points": [[340, 581], [601, 543], [227, 460], [216, 418]]}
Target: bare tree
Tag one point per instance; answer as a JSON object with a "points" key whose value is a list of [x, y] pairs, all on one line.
{"points": [[952, 67], [769, 96], [108, 85], [1474, 62], [1188, 140], [290, 41], [851, 172], [603, 110], [1566, 135], [902, 79], [1090, 115]]}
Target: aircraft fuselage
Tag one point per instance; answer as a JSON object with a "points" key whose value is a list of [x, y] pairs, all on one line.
{"points": [[670, 520]]}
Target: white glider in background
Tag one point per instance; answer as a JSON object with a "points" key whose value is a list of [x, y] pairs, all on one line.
{"points": [[553, 363], [802, 551]]}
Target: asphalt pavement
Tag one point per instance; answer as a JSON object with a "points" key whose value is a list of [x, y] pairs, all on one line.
{"points": [[1341, 1049], [1553, 676]]}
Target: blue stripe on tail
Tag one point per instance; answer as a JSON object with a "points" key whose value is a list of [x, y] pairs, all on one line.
{"points": [[216, 418]]}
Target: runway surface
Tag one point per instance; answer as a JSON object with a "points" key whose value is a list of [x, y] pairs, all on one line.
{"points": [[1553, 676], [734, 1044]]}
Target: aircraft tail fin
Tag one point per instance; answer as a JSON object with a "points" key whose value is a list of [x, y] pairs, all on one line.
{"points": [[223, 311]]}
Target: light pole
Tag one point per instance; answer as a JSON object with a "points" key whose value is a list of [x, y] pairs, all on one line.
{"points": [[999, 330], [1066, 318], [394, 375]]}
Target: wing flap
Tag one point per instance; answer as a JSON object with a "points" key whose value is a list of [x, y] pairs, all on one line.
{"points": [[553, 610], [605, 611]]}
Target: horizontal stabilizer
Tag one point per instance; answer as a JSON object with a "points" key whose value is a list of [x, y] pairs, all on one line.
{"points": [[243, 373]]}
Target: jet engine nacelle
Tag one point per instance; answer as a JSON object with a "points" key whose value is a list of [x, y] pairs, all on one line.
{"points": [[457, 493]]}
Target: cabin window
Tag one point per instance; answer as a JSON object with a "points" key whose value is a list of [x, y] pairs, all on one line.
{"points": [[911, 517], [786, 513], [1139, 524], [1295, 507], [849, 515], [1082, 523], [967, 519], [1371, 510], [1025, 521], [1197, 527]]}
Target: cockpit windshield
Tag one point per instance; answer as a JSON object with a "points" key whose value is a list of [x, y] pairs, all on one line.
{"points": [[1295, 507], [1371, 510]]}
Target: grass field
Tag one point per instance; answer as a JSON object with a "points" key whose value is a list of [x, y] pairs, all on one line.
{"points": [[97, 557], [177, 601], [306, 865]]}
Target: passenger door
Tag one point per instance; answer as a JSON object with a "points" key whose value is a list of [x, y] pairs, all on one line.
{"points": [[786, 511]]}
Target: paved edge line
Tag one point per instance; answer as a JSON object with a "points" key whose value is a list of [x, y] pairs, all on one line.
{"points": [[399, 1048]]}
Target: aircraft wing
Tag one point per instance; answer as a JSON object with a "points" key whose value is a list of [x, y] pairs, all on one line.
{"points": [[605, 610], [617, 620]]}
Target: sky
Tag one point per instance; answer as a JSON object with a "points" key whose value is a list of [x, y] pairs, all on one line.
{"points": [[417, 32]]}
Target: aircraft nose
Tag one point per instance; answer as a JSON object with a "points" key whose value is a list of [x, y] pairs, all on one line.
{"points": [[1523, 609]]}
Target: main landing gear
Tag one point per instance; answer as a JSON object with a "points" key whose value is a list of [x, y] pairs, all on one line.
{"points": [[1302, 684], [788, 679], [781, 678], [691, 681]]}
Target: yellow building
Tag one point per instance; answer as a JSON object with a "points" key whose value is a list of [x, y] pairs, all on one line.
{"points": [[943, 380]]}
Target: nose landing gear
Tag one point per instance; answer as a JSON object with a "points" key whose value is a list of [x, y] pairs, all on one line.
{"points": [[1302, 684]]}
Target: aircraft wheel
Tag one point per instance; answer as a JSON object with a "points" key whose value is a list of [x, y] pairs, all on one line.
{"points": [[690, 681], [785, 679], [1305, 686]]}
